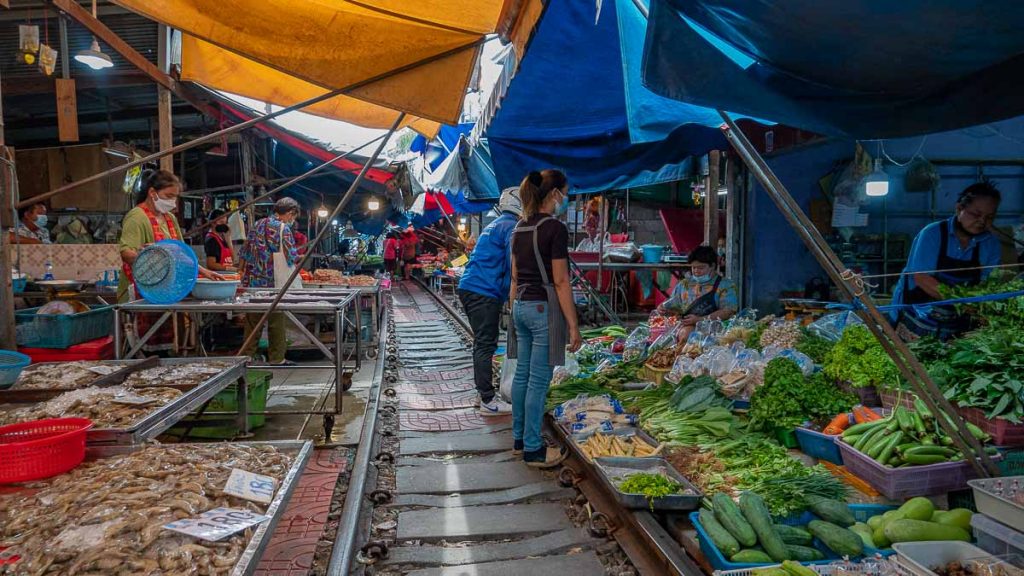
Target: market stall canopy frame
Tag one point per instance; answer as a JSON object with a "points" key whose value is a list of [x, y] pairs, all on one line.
{"points": [[415, 57], [869, 69]]}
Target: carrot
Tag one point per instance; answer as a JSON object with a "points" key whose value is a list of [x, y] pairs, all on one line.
{"points": [[837, 425], [864, 414]]}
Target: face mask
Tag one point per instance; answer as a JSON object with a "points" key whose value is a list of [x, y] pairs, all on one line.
{"points": [[164, 206], [562, 206], [41, 221], [721, 251], [222, 228], [702, 279]]}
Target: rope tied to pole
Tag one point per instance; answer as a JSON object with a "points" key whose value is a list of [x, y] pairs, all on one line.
{"points": [[858, 282]]}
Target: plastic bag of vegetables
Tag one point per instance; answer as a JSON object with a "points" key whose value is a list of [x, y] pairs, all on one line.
{"points": [[636, 344], [567, 370]]}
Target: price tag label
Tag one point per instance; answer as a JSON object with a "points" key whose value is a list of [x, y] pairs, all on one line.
{"points": [[216, 524], [255, 487], [104, 369]]}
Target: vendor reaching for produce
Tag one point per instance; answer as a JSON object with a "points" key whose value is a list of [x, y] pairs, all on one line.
{"points": [[952, 252], [704, 294]]}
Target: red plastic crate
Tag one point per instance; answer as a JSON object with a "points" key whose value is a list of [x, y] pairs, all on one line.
{"points": [[903, 483], [98, 349], [1003, 433], [889, 398]]}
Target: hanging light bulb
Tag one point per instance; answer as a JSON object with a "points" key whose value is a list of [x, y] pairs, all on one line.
{"points": [[322, 212], [373, 204], [94, 57], [877, 182]]}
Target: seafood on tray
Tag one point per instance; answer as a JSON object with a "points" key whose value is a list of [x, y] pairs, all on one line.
{"points": [[190, 374], [63, 374], [335, 277], [113, 407], [107, 516]]}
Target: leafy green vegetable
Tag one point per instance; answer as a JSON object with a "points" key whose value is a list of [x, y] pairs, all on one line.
{"points": [[787, 398], [984, 370], [572, 388], [1008, 313], [814, 346], [859, 359]]}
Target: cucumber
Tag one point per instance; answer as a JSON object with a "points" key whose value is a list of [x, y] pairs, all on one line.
{"points": [[719, 536], [907, 530], [874, 521], [862, 428], [918, 423], [906, 446], [865, 532], [851, 439], [832, 511], [959, 517], [877, 445], [922, 409], [793, 535], [804, 553], [903, 419], [796, 569], [750, 557], [924, 459], [931, 450], [772, 571], [729, 516], [756, 513], [866, 437], [889, 447], [919, 508], [878, 537], [838, 539]]}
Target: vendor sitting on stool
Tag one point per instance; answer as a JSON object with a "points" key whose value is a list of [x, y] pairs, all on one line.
{"points": [[952, 252], [703, 295]]}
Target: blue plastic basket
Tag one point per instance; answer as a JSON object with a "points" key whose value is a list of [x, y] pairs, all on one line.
{"points": [[18, 284], [818, 445], [860, 511], [62, 330], [652, 253], [11, 365], [165, 272]]}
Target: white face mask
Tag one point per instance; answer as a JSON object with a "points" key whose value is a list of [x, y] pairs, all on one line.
{"points": [[163, 205]]}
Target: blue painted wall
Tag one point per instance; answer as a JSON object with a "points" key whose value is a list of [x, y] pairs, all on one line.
{"points": [[778, 260]]}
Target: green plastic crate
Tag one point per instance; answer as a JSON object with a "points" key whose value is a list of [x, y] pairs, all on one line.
{"points": [[227, 401], [787, 437]]}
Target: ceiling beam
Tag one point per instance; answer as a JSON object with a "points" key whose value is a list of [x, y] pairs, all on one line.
{"points": [[98, 117], [45, 84], [100, 30]]}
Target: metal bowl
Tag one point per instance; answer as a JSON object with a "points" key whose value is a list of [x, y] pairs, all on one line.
{"points": [[61, 285]]}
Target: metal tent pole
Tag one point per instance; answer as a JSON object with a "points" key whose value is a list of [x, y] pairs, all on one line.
{"points": [[853, 289], [281, 290]]}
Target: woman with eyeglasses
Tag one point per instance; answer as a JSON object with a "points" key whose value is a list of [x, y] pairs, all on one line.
{"points": [[951, 252]]}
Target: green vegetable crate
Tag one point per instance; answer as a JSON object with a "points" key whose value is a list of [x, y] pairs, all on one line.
{"points": [[904, 483], [787, 437], [861, 512], [227, 401]]}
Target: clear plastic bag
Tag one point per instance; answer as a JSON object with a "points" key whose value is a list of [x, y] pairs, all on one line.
{"points": [[831, 326], [746, 318], [802, 360], [668, 338], [720, 362], [636, 344], [567, 370], [711, 327], [781, 333], [680, 368]]}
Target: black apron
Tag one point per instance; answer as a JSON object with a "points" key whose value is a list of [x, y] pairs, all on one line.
{"points": [[706, 304], [942, 321], [557, 329]]}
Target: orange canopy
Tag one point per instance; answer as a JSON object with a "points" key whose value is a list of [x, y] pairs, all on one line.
{"points": [[393, 55]]}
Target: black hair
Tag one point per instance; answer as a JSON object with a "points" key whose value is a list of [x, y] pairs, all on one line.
{"points": [[26, 209], [704, 254], [982, 189], [156, 180], [215, 213], [536, 187]]}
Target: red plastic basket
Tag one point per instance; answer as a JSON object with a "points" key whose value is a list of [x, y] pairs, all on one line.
{"points": [[41, 449], [1003, 432]]}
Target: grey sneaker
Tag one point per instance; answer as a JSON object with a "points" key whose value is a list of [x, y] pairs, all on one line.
{"points": [[496, 407]]}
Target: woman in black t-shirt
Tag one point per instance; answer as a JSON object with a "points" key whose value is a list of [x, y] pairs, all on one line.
{"points": [[219, 255], [543, 312]]}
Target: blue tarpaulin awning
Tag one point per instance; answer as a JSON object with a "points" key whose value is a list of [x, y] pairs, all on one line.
{"points": [[593, 118], [866, 69]]}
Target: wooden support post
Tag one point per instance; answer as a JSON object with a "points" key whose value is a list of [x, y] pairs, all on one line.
{"points": [[165, 125], [7, 173], [67, 110], [711, 200]]}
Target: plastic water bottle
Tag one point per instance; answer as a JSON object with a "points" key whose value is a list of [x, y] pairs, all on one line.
{"points": [[49, 271]]}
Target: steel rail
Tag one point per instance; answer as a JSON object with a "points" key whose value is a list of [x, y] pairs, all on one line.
{"points": [[456, 317], [342, 553]]}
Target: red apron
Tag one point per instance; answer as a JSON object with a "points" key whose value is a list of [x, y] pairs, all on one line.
{"points": [[227, 256], [163, 339]]}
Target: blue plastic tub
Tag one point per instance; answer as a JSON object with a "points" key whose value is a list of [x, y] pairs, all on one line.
{"points": [[11, 365], [860, 511], [165, 272], [818, 445], [18, 284], [218, 290], [652, 253], [62, 331]]}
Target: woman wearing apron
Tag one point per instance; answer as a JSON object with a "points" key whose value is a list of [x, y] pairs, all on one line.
{"points": [[219, 255], [703, 295], [543, 312], [151, 221], [952, 252]]}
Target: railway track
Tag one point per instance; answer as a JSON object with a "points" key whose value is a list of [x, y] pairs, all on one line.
{"points": [[447, 497]]}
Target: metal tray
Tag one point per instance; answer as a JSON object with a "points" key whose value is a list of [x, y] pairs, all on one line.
{"points": [[679, 502], [992, 503], [163, 417], [250, 557]]}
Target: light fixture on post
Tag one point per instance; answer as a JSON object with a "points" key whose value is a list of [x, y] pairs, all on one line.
{"points": [[876, 183], [322, 212], [94, 57], [373, 204]]}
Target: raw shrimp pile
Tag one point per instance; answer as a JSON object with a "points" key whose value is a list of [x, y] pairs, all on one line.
{"points": [[63, 375], [190, 374], [113, 407], [106, 517]]}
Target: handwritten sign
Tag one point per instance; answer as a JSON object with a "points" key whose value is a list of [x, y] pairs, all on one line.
{"points": [[217, 524], [249, 486]]}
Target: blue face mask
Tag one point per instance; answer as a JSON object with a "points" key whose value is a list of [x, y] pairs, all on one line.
{"points": [[562, 206], [702, 279], [41, 221]]}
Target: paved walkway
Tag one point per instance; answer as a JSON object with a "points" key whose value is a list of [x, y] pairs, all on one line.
{"points": [[466, 505]]}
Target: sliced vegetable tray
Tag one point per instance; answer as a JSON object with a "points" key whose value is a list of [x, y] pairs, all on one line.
{"points": [[676, 502]]}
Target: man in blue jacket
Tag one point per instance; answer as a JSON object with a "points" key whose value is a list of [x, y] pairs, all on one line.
{"points": [[483, 291]]}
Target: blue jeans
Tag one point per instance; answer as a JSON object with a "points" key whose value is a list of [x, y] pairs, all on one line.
{"points": [[533, 372]]}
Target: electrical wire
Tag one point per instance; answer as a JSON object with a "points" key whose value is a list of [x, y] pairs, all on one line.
{"points": [[915, 155], [969, 269]]}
